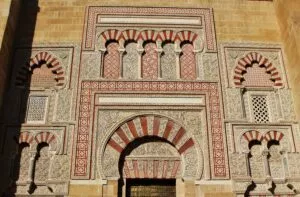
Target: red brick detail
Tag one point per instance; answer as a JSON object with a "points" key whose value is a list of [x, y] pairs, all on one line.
{"points": [[25, 137], [186, 146], [167, 35], [53, 68], [126, 170], [178, 136], [148, 35], [161, 169], [112, 34], [145, 166], [115, 145], [136, 169], [186, 36], [248, 61], [156, 123], [274, 135], [168, 129], [175, 168], [165, 169], [46, 137], [90, 88], [130, 34], [132, 129], [155, 168], [123, 136], [144, 125], [253, 135]]}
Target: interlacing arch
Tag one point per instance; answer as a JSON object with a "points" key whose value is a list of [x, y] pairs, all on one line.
{"points": [[150, 127], [39, 59], [247, 61]]}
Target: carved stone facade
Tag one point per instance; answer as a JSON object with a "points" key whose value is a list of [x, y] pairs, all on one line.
{"points": [[150, 98]]}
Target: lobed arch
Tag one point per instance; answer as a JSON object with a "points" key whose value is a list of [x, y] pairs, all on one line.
{"points": [[149, 125], [38, 60], [249, 59]]}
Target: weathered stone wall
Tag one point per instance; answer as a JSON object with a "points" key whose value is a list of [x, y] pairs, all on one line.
{"points": [[236, 20], [288, 16]]}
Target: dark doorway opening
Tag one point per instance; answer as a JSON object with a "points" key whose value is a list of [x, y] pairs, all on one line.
{"points": [[150, 187]]}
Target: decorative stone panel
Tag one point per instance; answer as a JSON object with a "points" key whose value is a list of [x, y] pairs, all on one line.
{"points": [[34, 161], [238, 57], [202, 19], [63, 60], [37, 109], [85, 122], [138, 128]]}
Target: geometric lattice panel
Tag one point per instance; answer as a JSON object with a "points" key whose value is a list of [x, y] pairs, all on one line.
{"points": [[36, 110], [257, 76], [260, 109], [188, 62]]}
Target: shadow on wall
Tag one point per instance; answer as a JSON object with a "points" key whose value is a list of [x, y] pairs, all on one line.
{"points": [[13, 110]]}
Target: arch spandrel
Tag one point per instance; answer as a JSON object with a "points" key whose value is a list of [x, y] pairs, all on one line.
{"points": [[151, 127]]}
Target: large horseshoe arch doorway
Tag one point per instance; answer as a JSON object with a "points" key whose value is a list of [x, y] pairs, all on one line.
{"points": [[148, 153]]}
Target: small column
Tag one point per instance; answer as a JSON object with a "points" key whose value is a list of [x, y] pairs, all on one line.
{"points": [[140, 51], [285, 163], [265, 153], [246, 155], [198, 49], [31, 167], [159, 51], [102, 51], [177, 53], [52, 154], [279, 105], [121, 52], [197, 58]]}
